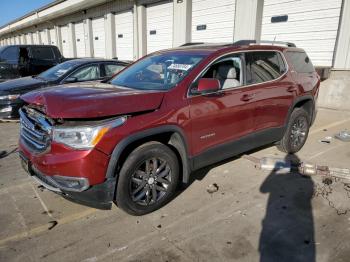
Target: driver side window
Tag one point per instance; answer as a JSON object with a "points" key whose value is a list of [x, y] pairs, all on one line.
{"points": [[87, 73], [228, 70]]}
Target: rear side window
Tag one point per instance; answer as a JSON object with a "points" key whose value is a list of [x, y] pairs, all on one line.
{"points": [[10, 54], [263, 66], [300, 61], [112, 69], [87, 73], [43, 53]]}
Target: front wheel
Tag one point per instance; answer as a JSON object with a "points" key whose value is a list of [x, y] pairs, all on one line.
{"points": [[296, 133], [148, 179]]}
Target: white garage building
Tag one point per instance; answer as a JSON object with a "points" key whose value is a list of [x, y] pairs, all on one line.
{"points": [[129, 29]]}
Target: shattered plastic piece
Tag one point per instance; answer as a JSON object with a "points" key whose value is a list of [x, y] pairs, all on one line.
{"points": [[212, 188], [343, 136], [53, 224], [327, 140]]}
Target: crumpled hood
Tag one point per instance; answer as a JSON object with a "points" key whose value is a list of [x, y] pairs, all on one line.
{"points": [[22, 84], [93, 100]]}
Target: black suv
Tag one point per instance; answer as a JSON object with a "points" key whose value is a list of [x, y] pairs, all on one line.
{"points": [[26, 60]]}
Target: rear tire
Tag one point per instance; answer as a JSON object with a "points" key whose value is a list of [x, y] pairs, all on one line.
{"points": [[296, 133], [147, 179]]}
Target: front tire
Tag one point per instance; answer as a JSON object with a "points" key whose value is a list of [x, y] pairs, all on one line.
{"points": [[147, 179], [296, 133]]}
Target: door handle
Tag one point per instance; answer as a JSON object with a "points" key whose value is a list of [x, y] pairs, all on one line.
{"points": [[215, 94], [292, 89], [247, 97]]}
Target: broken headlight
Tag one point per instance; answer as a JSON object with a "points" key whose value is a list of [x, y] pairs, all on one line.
{"points": [[84, 137]]}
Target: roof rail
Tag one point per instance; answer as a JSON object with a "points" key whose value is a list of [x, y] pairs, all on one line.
{"points": [[258, 42], [192, 43]]}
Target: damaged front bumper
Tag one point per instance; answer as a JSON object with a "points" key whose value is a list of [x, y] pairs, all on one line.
{"points": [[75, 189]]}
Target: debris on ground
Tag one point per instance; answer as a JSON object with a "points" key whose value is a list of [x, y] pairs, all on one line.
{"points": [[335, 185], [159, 226], [334, 193], [41, 187], [4, 153], [212, 188], [285, 166], [53, 224], [47, 212], [326, 140], [343, 136]]}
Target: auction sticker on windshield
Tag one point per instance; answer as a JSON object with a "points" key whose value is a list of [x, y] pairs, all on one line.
{"points": [[183, 67]]}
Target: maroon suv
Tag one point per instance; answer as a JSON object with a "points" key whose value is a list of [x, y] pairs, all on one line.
{"points": [[133, 139]]}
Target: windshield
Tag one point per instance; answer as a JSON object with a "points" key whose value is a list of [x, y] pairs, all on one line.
{"points": [[158, 72], [57, 71]]}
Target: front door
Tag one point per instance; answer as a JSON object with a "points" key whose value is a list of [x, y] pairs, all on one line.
{"points": [[223, 116]]}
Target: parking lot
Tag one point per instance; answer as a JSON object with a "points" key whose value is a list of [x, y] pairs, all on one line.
{"points": [[252, 213]]}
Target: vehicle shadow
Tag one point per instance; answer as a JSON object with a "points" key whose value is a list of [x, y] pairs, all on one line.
{"points": [[287, 229]]}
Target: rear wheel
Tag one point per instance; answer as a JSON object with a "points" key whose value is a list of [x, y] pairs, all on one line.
{"points": [[296, 133], [148, 179]]}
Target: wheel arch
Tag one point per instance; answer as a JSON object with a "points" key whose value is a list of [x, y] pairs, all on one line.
{"points": [[308, 103], [171, 135]]}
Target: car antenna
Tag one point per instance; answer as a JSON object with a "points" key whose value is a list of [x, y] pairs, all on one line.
{"points": [[274, 39]]}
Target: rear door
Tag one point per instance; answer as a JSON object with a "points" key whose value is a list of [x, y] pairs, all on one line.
{"points": [[223, 116], [41, 59], [266, 73]]}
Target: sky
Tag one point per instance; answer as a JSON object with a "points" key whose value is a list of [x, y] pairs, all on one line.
{"points": [[12, 9]]}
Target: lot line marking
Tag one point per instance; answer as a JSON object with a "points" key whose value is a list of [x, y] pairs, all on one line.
{"points": [[44, 228], [20, 216], [42, 202], [329, 126], [325, 151]]}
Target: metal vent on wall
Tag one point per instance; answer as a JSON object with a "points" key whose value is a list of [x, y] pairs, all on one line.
{"points": [[201, 27], [279, 19]]}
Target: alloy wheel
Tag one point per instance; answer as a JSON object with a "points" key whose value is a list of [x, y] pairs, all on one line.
{"points": [[299, 132], [150, 181]]}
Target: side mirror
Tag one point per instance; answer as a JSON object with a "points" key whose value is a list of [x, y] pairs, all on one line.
{"points": [[71, 80], [207, 85]]}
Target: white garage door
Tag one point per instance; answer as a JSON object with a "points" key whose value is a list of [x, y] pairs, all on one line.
{"points": [[124, 35], [29, 38], [310, 24], [99, 37], [36, 38], [213, 21], [53, 38], [159, 26], [44, 38], [80, 39], [65, 42], [23, 39]]}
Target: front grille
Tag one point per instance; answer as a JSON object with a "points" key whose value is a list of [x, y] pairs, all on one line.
{"points": [[35, 129]]}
